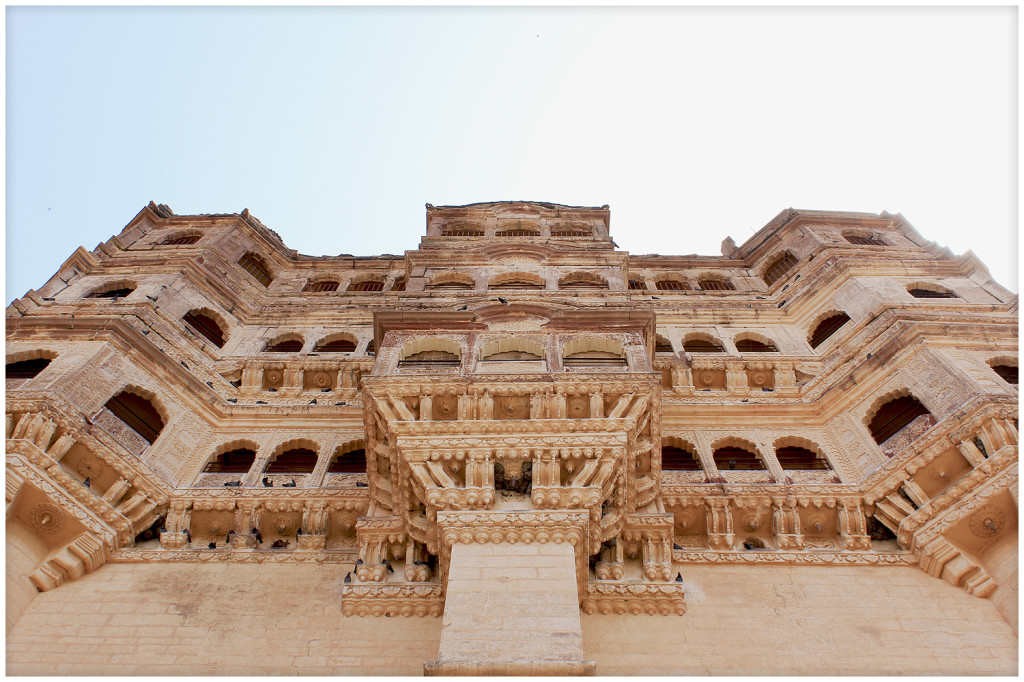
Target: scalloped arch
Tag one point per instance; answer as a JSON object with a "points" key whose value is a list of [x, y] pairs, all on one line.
{"points": [[512, 343], [430, 343], [593, 343]]}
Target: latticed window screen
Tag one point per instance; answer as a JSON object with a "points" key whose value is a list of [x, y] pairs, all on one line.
{"points": [[366, 285], [207, 326], [594, 358], [792, 457], [779, 268], [254, 265], [462, 233], [716, 285], [431, 358], [322, 285], [399, 284], [671, 285], [517, 233], [637, 284], [569, 233], [702, 346]]}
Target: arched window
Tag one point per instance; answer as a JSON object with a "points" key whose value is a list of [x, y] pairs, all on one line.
{"points": [[462, 228], [708, 284], [594, 352], [779, 268], [516, 280], [893, 416], [115, 291], [181, 240], [827, 327], [138, 413], [321, 286], [582, 280], [452, 281], [511, 349], [27, 369], [366, 285], [570, 230], [289, 344], [256, 267], [336, 343], [519, 228], [676, 458], [293, 461], [206, 325], [637, 284], [430, 358], [662, 345], [795, 457], [731, 457], [755, 346], [398, 284], [371, 347], [930, 291], [237, 461], [864, 240], [702, 345], [348, 462]]}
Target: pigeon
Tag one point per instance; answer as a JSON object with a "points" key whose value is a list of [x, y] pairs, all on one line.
{"points": [[462, 307], [267, 483], [210, 384], [313, 401], [359, 562], [387, 564], [298, 532], [675, 546], [230, 533], [679, 578], [212, 545], [188, 536], [289, 485], [279, 544], [503, 301], [233, 400], [348, 577], [183, 364], [272, 390], [86, 483], [325, 390], [360, 484], [152, 298], [656, 298], [261, 402], [232, 484], [259, 536], [732, 464]]}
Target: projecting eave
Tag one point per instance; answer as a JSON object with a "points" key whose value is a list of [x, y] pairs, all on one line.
{"points": [[792, 217]]}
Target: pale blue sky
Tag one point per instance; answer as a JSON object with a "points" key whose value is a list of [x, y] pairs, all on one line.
{"points": [[334, 125]]}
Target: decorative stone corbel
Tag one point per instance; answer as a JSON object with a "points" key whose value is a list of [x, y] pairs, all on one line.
{"points": [[942, 559], [179, 520], [247, 518], [736, 378], [719, 524], [853, 531], [82, 555], [786, 524]]}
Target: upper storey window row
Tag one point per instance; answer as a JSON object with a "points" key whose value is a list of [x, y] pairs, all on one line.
{"points": [[516, 228]]}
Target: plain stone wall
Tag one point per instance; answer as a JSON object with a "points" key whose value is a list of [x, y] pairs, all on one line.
{"points": [[808, 620], [24, 552], [188, 619], [212, 619]]}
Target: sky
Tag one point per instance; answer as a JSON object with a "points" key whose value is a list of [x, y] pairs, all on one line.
{"points": [[335, 125]]}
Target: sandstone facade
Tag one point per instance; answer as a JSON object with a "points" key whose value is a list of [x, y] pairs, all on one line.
{"points": [[515, 449]]}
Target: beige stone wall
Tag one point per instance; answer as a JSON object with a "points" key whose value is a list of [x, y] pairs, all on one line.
{"points": [[276, 619], [202, 619], [766, 620], [24, 552]]}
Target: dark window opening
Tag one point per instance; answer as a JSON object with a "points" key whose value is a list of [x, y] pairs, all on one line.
{"points": [[349, 463], [1007, 372], [138, 413], [180, 241], [792, 457], [928, 293], [517, 233], [672, 285], [462, 233], [336, 346], [893, 416], [637, 284], [286, 346], [828, 327], [399, 284], [594, 358], [662, 345], [678, 459], [455, 284], [729, 458], [237, 461], [702, 346], [254, 265], [207, 326], [569, 233], [26, 369], [294, 461], [754, 346], [371, 347], [112, 293], [512, 355], [517, 284]]}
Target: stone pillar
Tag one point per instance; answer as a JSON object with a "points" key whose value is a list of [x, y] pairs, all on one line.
{"points": [[511, 609]]}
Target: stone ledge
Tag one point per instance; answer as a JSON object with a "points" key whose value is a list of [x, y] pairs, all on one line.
{"points": [[509, 668]]}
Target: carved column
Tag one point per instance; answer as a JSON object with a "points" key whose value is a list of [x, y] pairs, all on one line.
{"points": [[252, 379], [853, 531], [719, 523], [786, 524], [315, 518], [736, 378], [426, 407], [247, 521], [178, 521]]}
